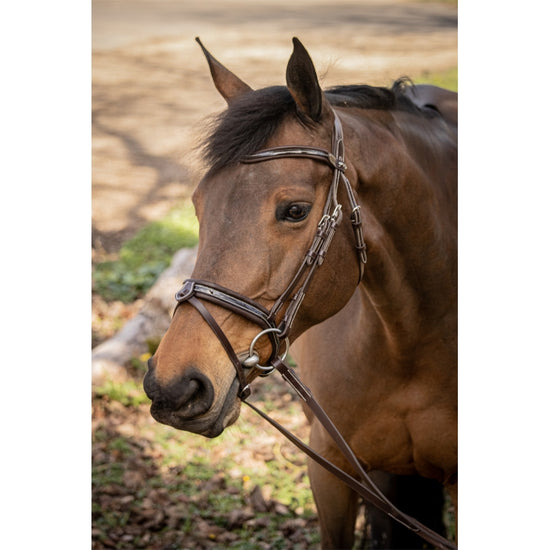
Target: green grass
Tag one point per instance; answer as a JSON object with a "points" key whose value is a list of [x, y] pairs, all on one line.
{"points": [[129, 393], [144, 257]]}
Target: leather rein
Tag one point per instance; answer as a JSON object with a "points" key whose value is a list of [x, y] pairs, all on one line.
{"points": [[195, 291]]}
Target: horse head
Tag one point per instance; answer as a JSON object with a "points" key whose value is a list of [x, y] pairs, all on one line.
{"points": [[258, 221]]}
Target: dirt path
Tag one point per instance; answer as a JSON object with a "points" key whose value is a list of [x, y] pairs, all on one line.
{"points": [[152, 90]]}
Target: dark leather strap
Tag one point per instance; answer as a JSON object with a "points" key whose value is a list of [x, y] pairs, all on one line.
{"points": [[216, 329], [227, 298], [294, 151]]}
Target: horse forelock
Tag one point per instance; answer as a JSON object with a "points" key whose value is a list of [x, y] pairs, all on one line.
{"points": [[250, 121], [246, 126]]}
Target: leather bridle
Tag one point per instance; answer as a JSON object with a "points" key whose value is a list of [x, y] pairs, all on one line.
{"points": [[196, 291]]}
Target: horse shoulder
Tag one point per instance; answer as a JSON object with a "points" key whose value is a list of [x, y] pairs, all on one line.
{"points": [[396, 420]]}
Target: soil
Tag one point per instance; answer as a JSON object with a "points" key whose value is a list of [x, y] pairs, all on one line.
{"points": [[145, 497]]}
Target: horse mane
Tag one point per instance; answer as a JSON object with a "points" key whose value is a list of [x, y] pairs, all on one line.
{"points": [[246, 126]]}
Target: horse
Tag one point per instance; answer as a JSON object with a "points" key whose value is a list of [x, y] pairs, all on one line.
{"points": [[367, 306]]}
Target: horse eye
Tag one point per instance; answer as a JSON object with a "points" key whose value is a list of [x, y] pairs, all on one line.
{"points": [[295, 212]]}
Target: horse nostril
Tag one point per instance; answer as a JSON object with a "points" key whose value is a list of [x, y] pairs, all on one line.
{"points": [[190, 395]]}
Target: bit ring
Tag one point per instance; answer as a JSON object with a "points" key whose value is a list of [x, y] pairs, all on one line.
{"points": [[252, 353]]}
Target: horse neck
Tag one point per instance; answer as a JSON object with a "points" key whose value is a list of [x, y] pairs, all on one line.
{"points": [[407, 192]]}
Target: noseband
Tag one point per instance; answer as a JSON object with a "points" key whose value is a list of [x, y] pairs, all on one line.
{"points": [[195, 291]]}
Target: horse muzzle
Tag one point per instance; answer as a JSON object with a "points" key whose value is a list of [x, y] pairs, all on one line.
{"points": [[189, 403]]}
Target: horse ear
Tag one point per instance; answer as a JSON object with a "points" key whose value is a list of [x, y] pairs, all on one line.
{"points": [[229, 85], [302, 82]]}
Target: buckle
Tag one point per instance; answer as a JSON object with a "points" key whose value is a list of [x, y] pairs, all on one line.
{"points": [[186, 291], [337, 162], [245, 392]]}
